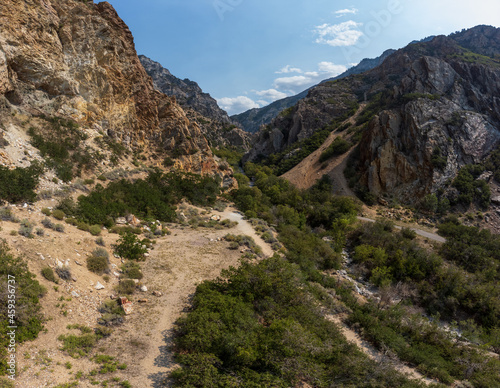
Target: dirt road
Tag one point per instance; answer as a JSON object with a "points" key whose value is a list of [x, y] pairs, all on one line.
{"points": [[177, 265]]}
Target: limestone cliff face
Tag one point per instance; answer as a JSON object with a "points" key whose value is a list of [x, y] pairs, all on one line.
{"points": [[77, 60]]}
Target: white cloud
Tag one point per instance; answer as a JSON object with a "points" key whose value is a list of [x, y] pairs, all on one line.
{"points": [[234, 105], [271, 94], [291, 83], [298, 83], [343, 12], [331, 68], [288, 69], [343, 34]]}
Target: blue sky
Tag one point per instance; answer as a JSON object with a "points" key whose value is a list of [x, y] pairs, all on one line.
{"points": [[248, 53]]}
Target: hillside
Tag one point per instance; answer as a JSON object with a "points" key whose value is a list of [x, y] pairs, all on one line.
{"points": [[133, 256], [431, 110], [48, 74]]}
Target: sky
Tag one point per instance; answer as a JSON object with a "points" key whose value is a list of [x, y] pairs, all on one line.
{"points": [[249, 53]]}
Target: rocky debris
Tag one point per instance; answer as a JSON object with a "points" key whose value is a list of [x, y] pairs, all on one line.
{"points": [[127, 306], [99, 286], [496, 200], [75, 294], [157, 293], [142, 301], [143, 289], [78, 263], [121, 221]]}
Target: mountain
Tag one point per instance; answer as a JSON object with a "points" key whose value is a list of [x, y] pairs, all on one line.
{"points": [[186, 92], [77, 61], [253, 119], [200, 107], [431, 109]]}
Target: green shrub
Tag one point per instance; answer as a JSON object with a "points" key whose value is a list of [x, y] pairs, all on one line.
{"points": [[46, 211], [95, 230], [129, 246], [79, 345], [338, 147], [97, 264], [58, 214], [132, 270], [28, 317], [18, 185], [83, 226], [48, 274], [46, 222], [59, 228], [126, 286]]}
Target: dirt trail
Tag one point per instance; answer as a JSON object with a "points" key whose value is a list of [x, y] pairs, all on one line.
{"points": [[375, 354], [308, 171], [176, 267]]}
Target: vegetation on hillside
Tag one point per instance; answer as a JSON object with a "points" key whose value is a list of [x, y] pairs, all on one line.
{"points": [[15, 279]]}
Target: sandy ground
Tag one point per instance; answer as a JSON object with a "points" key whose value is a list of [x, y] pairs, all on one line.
{"points": [[176, 265]]}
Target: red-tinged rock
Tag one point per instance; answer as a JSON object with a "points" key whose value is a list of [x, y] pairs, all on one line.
{"points": [[128, 308], [143, 301], [157, 293]]}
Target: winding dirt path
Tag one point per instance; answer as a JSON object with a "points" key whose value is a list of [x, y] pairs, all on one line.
{"points": [[375, 354], [177, 265]]}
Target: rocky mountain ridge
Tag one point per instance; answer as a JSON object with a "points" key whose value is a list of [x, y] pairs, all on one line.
{"points": [[200, 107], [253, 119], [430, 100]]}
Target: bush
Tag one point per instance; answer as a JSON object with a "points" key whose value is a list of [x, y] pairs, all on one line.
{"points": [[64, 273], [126, 286], [100, 241], [83, 226], [97, 264], [129, 246], [46, 222], [338, 147], [100, 252], [132, 270], [18, 185], [58, 214], [48, 274], [95, 230], [59, 228], [26, 229], [46, 211]]}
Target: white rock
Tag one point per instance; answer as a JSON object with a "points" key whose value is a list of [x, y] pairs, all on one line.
{"points": [[144, 289], [41, 257], [99, 286], [75, 294], [59, 264], [116, 274], [66, 263]]}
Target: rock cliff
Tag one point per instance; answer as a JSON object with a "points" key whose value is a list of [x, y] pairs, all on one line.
{"points": [[77, 60]]}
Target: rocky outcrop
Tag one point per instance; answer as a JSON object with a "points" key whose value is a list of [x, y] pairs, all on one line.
{"points": [[454, 112], [325, 106], [77, 60], [200, 107]]}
